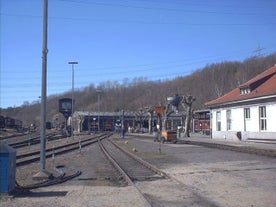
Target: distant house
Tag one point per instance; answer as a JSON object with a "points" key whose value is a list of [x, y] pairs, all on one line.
{"points": [[248, 112], [201, 121]]}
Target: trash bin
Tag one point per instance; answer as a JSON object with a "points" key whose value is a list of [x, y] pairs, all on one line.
{"points": [[7, 168]]}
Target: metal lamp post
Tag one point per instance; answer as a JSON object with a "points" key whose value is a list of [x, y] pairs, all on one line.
{"points": [[99, 91], [72, 120]]}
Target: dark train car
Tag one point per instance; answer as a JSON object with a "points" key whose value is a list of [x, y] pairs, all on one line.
{"points": [[12, 123], [17, 124], [2, 122], [175, 120], [103, 121], [108, 125], [48, 125], [9, 122], [201, 122]]}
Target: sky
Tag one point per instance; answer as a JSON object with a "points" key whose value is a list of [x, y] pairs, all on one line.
{"points": [[119, 40]]}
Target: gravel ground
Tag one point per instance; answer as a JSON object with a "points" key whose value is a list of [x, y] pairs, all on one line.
{"points": [[208, 177], [77, 196], [96, 170], [219, 177]]}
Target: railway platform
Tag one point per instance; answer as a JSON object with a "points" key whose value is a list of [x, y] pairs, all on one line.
{"points": [[262, 148], [200, 138]]}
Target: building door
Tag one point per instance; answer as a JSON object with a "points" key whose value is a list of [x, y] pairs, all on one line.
{"points": [[246, 118]]}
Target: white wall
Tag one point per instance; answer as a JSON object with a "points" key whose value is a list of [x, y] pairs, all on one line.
{"points": [[239, 124], [237, 119], [252, 124], [271, 117]]}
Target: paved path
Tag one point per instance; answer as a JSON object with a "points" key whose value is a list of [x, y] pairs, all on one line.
{"points": [[206, 139]]}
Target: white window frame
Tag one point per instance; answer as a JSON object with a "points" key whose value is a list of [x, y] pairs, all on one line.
{"points": [[262, 118], [228, 119], [218, 120], [247, 113]]}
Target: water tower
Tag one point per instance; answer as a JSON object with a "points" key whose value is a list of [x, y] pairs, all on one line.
{"points": [[174, 101], [65, 107]]}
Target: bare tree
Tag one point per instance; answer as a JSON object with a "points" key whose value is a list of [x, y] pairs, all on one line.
{"points": [[150, 110], [139, 117], [187, 103], [167, 112]]}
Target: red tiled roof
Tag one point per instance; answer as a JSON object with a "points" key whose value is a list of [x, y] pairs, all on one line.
{"points": [[263, 84]]}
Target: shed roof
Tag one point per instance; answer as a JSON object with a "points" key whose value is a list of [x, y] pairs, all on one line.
{"points": [[262, 85]]}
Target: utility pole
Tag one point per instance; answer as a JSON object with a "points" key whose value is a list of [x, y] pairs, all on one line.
{"points": [[123, 125], [258, 51], [99, 92], [72, 120], [43, 174]]}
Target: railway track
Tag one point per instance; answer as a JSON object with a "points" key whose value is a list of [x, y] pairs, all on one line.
{"points": [[62, 148], [34, 141], [180, 188], [132, 168]]}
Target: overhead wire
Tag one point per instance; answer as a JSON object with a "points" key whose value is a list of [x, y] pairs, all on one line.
{"points": [[120, 5], [161, 8], [152, 70], [123, 21]]}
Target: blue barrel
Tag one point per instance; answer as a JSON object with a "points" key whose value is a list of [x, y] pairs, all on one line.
{"points": [[7, 168]]}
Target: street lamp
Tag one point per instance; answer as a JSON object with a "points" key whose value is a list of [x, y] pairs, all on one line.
{"points": [[99, 91], [72, 122], [94, 119]]}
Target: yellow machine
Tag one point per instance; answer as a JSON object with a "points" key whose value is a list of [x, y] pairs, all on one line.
{"points": [[168, 136]]}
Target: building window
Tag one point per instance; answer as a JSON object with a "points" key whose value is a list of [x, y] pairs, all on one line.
{"points": [[218, 121], [247, 113], [244, 91], [262, 116], [229, 119]]}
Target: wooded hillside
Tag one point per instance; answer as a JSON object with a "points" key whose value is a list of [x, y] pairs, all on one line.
{"points": [[204, 84]]}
